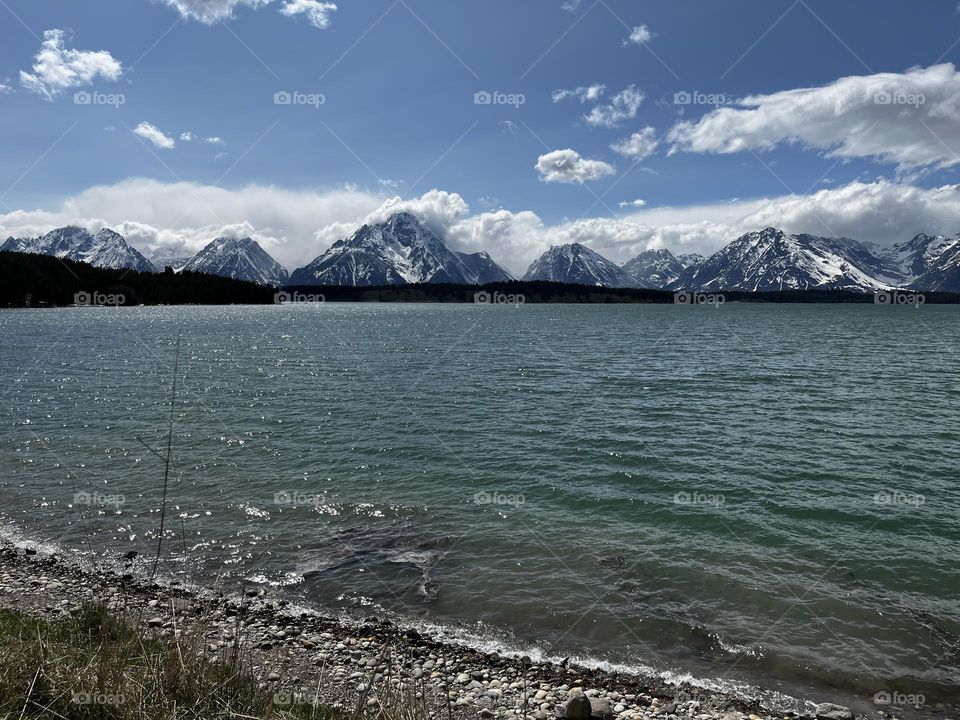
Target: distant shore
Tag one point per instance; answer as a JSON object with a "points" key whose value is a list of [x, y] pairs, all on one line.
{"points": [[301, 654]]}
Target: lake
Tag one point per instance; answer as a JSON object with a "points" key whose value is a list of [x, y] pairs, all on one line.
{"points": [[750, 495]]}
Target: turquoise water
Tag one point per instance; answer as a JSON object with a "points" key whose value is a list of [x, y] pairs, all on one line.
{"points": [[753, 494]]}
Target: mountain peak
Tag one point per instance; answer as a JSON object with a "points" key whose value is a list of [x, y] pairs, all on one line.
{"points": [[576, 263], [398, 251], [241, 259]]}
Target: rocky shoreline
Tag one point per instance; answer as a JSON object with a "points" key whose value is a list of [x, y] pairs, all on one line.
{"points": [[305, 657]]}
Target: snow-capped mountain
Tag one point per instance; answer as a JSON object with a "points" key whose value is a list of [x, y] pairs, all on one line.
{"points": [[396, 252], [177, 263], [238, 259], [484, 268], [106, 249], [771, 260], [930, 262], [925, 260], [654, 268], [576, 263]]}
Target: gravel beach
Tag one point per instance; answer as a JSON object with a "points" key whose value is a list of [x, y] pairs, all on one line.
{"points": [[304, 656]]}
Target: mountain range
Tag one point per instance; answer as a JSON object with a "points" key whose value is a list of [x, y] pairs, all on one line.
{"points": [[404, 250]]}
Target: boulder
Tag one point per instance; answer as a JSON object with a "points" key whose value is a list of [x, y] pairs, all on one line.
{"points": [[829, 711], [600, 709], [576, 708]]}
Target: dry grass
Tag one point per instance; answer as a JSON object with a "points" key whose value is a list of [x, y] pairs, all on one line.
{"points": [[95, 666]]}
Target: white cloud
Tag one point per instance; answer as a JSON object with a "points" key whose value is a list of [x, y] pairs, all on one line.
{"points": [[437, 209], [640, 35], [155, 135], [589, 93], [622, 106], [640, 145], [57, 68], [190, 137], [571, 5], [318, 13], [567, 166], [4, 89], [633, 203], [907, 119], [210, 12]]}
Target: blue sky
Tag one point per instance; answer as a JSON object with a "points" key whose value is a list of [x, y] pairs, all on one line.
{"points": [[399, 117]]}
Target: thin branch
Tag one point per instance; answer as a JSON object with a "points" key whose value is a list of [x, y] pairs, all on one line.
{"points": [[166, 470]]}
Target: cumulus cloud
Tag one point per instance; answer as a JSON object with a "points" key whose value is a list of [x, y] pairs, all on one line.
{"points": [[437, 209], [318, 13], [640, 145], [4, 89], [640, 35], [907, 119], [589, 93], [622, 106], [210, 12], [633, 203], [57, 68], [567, 166], [154, 135]]}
